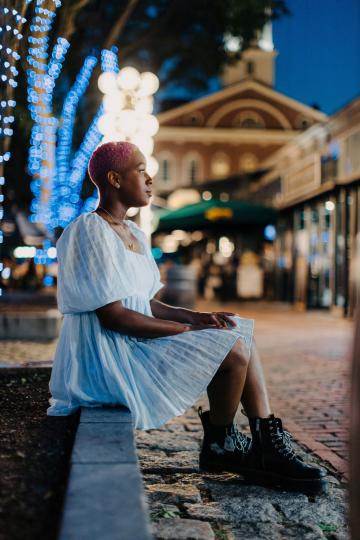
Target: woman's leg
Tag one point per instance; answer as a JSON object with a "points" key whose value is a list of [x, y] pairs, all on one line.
{"points": [[238, 378], [226, 387], [255, 397]]}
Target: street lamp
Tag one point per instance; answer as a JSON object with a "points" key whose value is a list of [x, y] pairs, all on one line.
{"points": [[128, 105]]}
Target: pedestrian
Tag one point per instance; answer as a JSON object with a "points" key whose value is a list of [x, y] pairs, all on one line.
{"points": [[119, 345]]}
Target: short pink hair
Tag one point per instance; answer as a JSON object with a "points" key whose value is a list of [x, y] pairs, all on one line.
{"points": [[110, 156]]}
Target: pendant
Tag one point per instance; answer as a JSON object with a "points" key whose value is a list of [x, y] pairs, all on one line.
{"points": [[131, 246]]}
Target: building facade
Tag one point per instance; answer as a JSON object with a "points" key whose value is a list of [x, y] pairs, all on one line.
{"points": [[230, 132], [314, 181]]}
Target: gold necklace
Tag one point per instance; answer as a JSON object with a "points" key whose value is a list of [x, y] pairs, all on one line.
{"points": [[130, 245]]}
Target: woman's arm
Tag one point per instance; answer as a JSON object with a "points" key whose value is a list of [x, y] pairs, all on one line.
{"points": [[116, 317], [164, 311]]}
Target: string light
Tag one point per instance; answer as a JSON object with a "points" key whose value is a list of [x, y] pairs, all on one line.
{"points": [[64, 202], [41, 84], [10, 30], [70, 178]]}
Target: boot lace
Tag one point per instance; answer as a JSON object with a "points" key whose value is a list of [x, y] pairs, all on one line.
{"points": [[242, 442], [282, 442]]}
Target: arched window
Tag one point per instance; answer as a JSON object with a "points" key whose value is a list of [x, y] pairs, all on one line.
{"points": [[195, 118], [220, 165], [248, 162], [248, 120]]}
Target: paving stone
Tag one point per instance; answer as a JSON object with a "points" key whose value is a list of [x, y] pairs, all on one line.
{"points": [[236, 510], [329, 511], [237, 489], [153, 479], [156, 460], [301, 532], [182, 529], [173, 493], [257, 531], [167, 441]]}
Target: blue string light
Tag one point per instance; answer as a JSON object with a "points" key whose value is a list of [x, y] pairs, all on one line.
{"points": [[41, 84], [11, 28], [63, 201], [66, 200]]}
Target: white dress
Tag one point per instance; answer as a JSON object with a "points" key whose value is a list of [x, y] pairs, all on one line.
{"points": [[156, 378]]}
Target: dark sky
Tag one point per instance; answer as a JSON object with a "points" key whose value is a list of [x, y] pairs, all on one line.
{"points": [[319, 52]]}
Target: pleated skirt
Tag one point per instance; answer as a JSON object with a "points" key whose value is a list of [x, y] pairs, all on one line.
{"points": [[156, 378]]}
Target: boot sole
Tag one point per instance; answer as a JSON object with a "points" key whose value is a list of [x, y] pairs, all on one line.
{"points": [[268, 479]]}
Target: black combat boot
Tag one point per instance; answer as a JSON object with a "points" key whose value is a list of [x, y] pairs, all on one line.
{"points": [[272, 461], [224, 447]]}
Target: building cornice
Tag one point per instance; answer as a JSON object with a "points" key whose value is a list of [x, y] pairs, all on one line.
{"points": [[227, 135]]}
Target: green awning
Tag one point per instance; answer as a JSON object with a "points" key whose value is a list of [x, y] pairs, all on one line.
{"points": [[211, 213]]}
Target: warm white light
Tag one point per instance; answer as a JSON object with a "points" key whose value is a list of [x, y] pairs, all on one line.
{"points": [[145, 105], [149, 124], [178, 234], [51, 252], [107, 82], [232, 43], [197, 236], [225, 246], [128, 78], [170, 244], [114, 102], [106, 124], [207, 196], [145, 144], [152, 166], [329, 205], [126, 121], [22, 252], [149, 84]]}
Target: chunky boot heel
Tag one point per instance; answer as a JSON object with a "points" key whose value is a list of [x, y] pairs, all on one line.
{"points": [[224, 447]]}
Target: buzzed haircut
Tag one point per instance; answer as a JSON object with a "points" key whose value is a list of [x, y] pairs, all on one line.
{"points": [[110, 156]]}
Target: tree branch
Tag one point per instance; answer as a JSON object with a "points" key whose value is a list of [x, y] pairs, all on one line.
{"points": [[119, 24]]}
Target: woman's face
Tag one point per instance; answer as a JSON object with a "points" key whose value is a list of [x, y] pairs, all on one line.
{"points": [[135, 183]]}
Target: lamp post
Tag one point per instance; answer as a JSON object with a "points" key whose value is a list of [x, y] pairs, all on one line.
{"points": [[128, 104]]}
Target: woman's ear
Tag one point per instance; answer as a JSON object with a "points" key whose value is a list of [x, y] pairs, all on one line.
{"points": [[114, 178]]}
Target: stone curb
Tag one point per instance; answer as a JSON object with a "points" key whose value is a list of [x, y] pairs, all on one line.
{"points": [[105, 497]]}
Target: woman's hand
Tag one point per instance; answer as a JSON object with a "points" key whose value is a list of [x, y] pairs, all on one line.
{"points": [[213, 319]]}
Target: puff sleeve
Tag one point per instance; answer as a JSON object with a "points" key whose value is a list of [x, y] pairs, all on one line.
{"points": [[92, 268]]}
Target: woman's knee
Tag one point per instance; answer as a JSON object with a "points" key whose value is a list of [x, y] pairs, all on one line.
{"points": [[239, 357]]}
